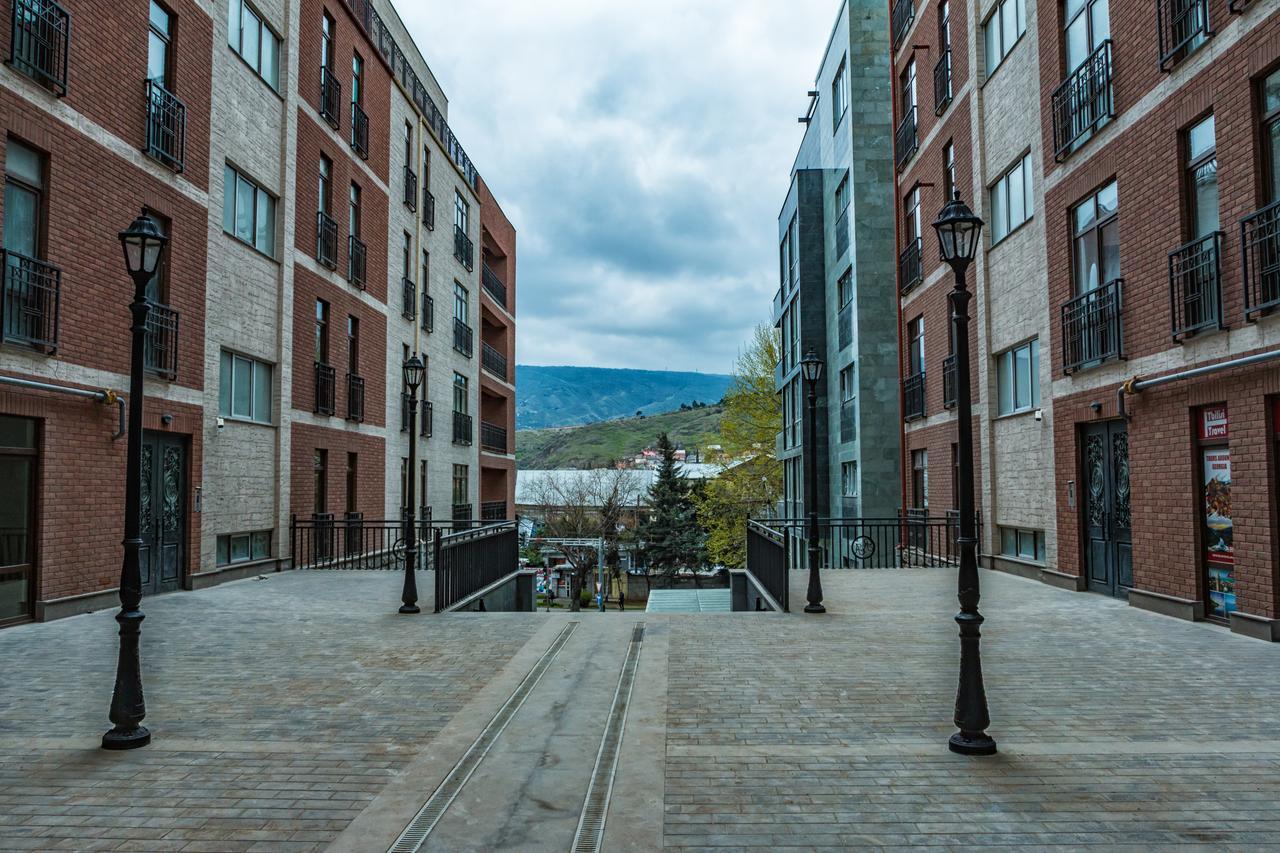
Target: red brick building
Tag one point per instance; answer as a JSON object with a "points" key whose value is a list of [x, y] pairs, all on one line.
{"points": [[498, 360]]}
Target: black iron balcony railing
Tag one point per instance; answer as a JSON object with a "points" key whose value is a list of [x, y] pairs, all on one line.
{"points": [[909, 267], [848, 426], [355, 261], [404, 411], [493, 360], [462, 337], [942, 83], [428, 209], [1093, 327], [326, 240], [463, 428], [326, 379], [493, 511], [409, 299], [913, 397], [359, 131], [1195, 286], [1082, 102], [493, 437], [355, 398], [166, 126], [1183, 25], [426, 417], [330, 97], [410, 189], [493, 285], [29, 310], [904, 12], [905, 141], [428, 313], [949, 375], [39, 42], [842, 232], [1260, 242], [160, 354], [462, 513], [463, 248]]}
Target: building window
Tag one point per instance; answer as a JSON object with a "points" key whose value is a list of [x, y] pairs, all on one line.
{"points": [[326, 40], [1011, 203], [159, 37], [353, 483], [844, 288], [1087, 24], [244, 547], [319, 468], [839, 95], [1270, 98], [1202, 179], [353, 345], [357, 79], [1096, 248], [907, 88], [911, 207], [1003, 29], [325, 197], [257, 45], [353, 212], [920, 479], [24, 208], [248, 212], [460, 394], [1018, 378], [461, 213], [849, 479], [244, 388], [460, 485], [948, 170], [322, 331], [1022, 544], [461, 303], [915, 346]]}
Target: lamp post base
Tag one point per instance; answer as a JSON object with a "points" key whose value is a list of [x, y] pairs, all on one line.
{"points": [[814, 608], [972, 743], [409, 608], [126, 738]]}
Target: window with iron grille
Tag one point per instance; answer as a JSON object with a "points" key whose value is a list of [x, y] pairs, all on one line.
{"points": [[32, 286], [1083, 102], [1184, 26], [39, 42]]}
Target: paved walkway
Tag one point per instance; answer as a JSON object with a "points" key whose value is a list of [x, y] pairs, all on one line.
{"points": [[302, 712]]}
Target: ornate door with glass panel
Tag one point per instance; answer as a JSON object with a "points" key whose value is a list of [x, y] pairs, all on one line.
{"points": [[1106, 508], [163, 518], [18, 457]]}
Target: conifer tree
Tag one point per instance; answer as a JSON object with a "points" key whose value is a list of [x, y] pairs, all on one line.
{"points": [[672, 537]]}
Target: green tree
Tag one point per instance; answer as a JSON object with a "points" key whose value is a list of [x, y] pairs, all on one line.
{"points": [[672, 537]]}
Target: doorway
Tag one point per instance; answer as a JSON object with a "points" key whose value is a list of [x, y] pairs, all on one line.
{"points": [[1107, 514], [163, 518]]}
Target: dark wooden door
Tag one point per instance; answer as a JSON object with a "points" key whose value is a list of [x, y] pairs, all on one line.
{"points": [[1107, 515], [164, 512]]}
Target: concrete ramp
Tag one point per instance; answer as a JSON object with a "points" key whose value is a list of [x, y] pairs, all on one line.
{"points": [[689, 601]]}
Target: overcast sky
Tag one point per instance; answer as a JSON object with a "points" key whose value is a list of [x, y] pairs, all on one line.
{"points": [[642, 150]]}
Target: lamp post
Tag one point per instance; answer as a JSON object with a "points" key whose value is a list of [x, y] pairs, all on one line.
{"points": [[811, 367], [958, 232], [412, 379], [142, 243]]}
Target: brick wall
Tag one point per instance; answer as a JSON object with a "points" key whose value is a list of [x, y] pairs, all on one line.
{"points": [[370, 467]]}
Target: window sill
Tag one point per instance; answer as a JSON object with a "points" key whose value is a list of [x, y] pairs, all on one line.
{"points": [[1018, 413], [233, 419], [244, 564], [1022, 561]]}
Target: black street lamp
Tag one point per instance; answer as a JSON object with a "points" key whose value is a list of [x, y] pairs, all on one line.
{"points": [[412, 379], [811, 368], [958, 232], [143, 244]]}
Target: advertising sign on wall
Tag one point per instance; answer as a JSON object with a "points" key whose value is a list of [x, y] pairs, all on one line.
{"points": [[1213, 423], [1219, 550]]}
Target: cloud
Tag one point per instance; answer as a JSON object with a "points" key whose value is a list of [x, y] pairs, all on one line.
{"points": [[642, 150]]}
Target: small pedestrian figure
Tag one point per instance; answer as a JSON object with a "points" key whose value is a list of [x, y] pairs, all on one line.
{"points": [[622, 597]]}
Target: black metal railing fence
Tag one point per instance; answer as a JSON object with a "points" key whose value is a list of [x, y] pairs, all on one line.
{"points": [[767, 560], [470, 560]]}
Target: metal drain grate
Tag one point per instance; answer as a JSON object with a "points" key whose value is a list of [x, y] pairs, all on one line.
{"points": [[433, 809], [595, 807]]}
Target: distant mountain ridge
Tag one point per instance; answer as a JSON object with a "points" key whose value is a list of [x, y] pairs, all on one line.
{"points": [[552, 396]]}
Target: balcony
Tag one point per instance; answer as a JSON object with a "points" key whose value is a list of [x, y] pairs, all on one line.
{"points": [[950, 374], [325, 381], [39, 42], [493, 437], [428, 209], [463, 249], [160, 351], [330, 97], [410, 189], [1183, 26], [909, 268], [848, 426], [1093, 327], [426, 418], [428, 313], [463, 428], [462, 337], [355, 261], [326, 240], [409, 299], [1260, 237], [166, 126], [904, 13], [493, 511], [1195, 286], [355, 398], [905, 142], [1082, 102], [913, 397], [359, 131], [493, 361], [493, 285], [29, 311], [942, 83]]}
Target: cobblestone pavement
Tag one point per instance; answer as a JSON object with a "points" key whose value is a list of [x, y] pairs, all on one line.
{"points": [[303, 711]]}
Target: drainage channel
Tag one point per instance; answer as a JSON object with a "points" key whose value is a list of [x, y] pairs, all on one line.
{"points": [[595, 807], [415, 834]]}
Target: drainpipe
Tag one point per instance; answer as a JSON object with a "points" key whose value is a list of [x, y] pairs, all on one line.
{"points": [[105, 396], [1136, 385]]}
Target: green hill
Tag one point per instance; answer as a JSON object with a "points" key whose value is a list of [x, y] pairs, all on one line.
{"points": [[597, 444], [571, 396]]}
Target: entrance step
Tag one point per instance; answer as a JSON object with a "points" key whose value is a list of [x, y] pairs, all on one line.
{"points": [[689, 601]]}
